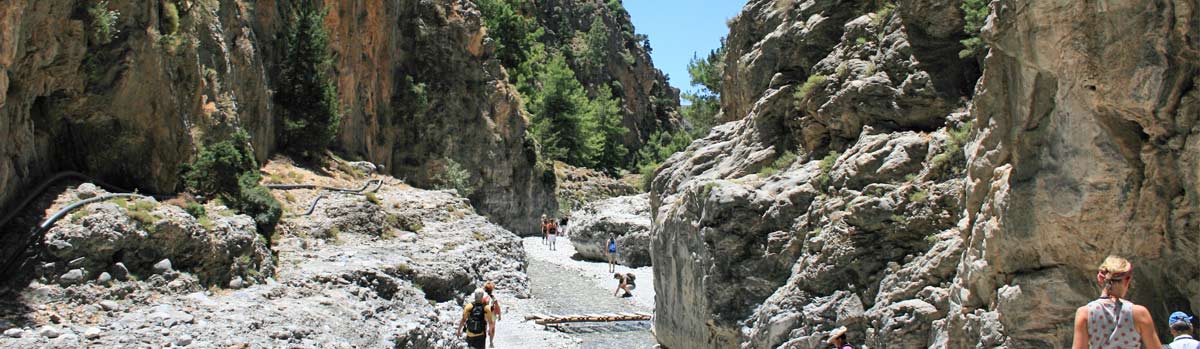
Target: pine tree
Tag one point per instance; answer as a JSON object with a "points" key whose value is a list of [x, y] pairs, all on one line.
{"points": [[705, 103], [559, 107], [306, 95], [607, 141]]}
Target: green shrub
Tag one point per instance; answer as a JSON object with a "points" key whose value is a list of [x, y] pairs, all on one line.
{"points": [[205, 222], [814, 82], [255, 201], [826, 165], [780, 163], [372, 198], [883, 13], [195, 209], [861, 41], [103, 23], [454, 176], [918, 196], [170, 19], [952, 153], [647, 175]]}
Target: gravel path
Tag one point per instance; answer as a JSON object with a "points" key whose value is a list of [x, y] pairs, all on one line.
{"points": [[561, 285]]}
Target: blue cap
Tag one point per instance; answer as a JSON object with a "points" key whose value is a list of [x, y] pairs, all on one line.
{"points": [[1179, 316]]}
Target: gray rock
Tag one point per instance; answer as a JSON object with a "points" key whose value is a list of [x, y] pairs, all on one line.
{"points": [[92, 333], [49, 332], [110, 305], [627, 218], [77, 262], [120, 272], [236, 283], [183, 340], [104, 279], [163, 267], [74, 276], [14, 333]]}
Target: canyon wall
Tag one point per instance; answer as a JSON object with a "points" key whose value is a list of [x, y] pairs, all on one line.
{"points": [[868, 177]]}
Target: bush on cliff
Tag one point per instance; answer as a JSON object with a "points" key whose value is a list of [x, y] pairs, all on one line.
{"points": [[975, 13], [306, 95], [227, 170]]}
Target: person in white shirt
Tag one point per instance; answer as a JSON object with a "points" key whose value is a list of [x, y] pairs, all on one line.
{"points": [[1181, 329]]}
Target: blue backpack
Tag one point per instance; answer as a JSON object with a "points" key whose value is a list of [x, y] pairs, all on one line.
{"points": [[612, 246]]}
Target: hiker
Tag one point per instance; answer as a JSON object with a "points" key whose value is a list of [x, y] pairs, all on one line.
{"points": [[838, 340], [562, 226], [477, 320], [1181, 328], [1110, 321], [611, 253], [552, 231], [545, 231], [625, 283], [494, 306]]}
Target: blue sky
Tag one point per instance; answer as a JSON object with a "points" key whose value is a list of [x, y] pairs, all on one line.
{"points": [[680, 28]]}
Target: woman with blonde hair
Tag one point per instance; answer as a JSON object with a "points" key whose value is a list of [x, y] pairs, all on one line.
{"points": [[1111, 321]]}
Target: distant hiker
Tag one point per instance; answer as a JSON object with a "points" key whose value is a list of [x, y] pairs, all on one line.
{"points": [[477, 320], [1181, 329], [551, 232], [610, 250], [494, 306], [838, 340], [545, 230], [625, 283], [1110, 321], [562, 226]]}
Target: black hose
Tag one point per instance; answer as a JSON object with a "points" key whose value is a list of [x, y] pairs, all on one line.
{"points": [[65, 210], [379, 183], [33, 195]]}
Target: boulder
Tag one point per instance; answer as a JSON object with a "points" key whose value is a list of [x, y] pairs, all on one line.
{"points": [[627, 218]]}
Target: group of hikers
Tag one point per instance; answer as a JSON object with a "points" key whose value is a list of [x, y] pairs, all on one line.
{"points": [[552, 228], [1110, 321]]}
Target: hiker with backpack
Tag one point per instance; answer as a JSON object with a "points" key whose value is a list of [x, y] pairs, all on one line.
{"points": [[477, 320], [610, 251], [562, 226], [494, 306], [1111, 321], [625, 283], [1181, 328], [545, 230]]}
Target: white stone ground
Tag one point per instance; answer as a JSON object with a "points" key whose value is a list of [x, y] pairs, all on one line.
{"points": [[515, 332]]}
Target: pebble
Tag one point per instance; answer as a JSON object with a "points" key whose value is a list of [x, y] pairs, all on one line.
{"points": [[120, 272], [14, 333], [110, 305], [91, 333], [163, 266], [183, 340], [72, 277], [49, 332], [104, 278]]}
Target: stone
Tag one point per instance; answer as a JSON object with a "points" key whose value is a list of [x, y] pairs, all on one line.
{"points": [[120, 272], [183, 340], [92, 333], [74, 276], [77, 262], [14, 333], [163, 267], [109, 305], [49, 332], [104, 279], [236, 283]]}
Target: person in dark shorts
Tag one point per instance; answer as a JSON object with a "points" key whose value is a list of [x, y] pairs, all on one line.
{"points": [[477, 321]]}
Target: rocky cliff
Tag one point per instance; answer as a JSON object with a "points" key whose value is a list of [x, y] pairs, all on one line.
{"points": [[858, 184], [128, 90]]}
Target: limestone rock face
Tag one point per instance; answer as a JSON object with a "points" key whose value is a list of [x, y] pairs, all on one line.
{"points": [[1086, 152], [130, 108], [859, 230], [627, 218], [917, 217]]}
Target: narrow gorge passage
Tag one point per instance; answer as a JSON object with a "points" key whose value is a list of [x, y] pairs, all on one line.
{"points": [[561, 285]]}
